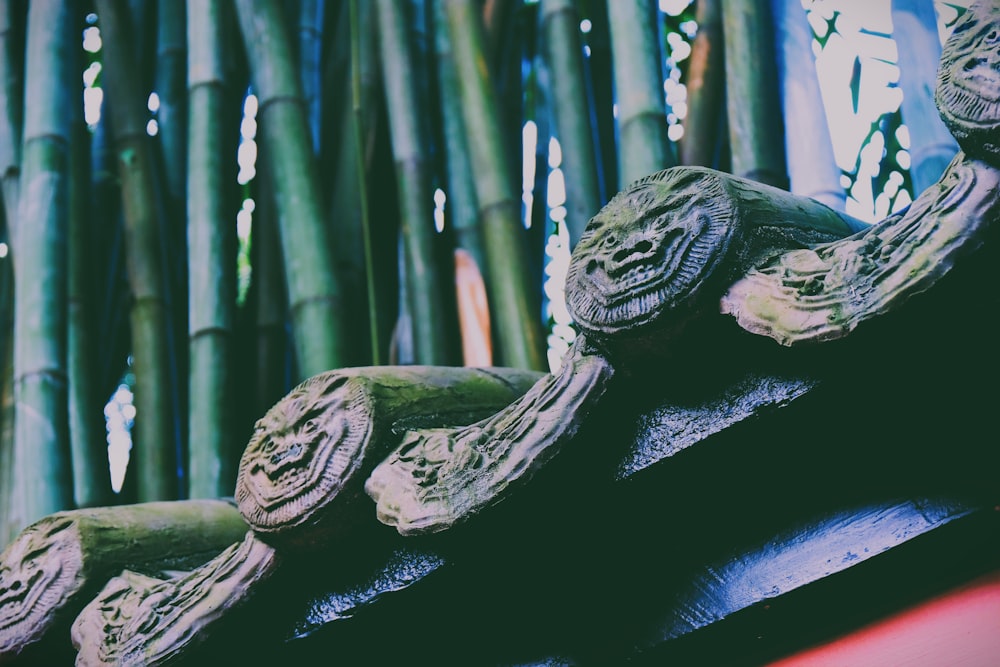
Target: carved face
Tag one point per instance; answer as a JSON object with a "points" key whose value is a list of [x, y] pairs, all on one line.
{"points": [[647, 251], [968, 88], [37, 573], [300, 452]]}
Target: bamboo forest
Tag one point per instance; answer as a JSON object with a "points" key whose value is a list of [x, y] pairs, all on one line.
{"points": [[206, 202]]}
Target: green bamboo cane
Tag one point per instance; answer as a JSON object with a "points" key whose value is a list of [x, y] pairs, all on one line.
{"points": [[154, 451], [496, 19], [313, 291], [11, 113], [351, 228], [11, 108], [460, 207], [270, 303], [211, 261], [563, 51], [404, 103], [43, 476], [310, 42], [706, 88], [141, 16], [9, 526], [517, 325], [170, 86], [91, 475], [364, 88], [643, 147], [812, 164], [752, 99], [932, 146]]}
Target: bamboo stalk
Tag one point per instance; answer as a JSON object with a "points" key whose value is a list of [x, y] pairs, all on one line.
{"points": [[931, 144], [154, 449], [517, 325], [600, 65], [563, 51], [313, 291], [812, 166], [11, 113], [11, 108], [460, 207], [211, 262], [706, 88], [8, 525], [310, 42], [643, 147], [752, 99], [91, 474], [353, 235], [272, 378], [403, 99], [43, 477], [170, 86]]}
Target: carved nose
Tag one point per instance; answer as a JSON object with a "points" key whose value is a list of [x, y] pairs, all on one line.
{"points": [[633, 248]]}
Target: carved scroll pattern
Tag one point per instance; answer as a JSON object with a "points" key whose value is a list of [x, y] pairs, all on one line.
{"points": [[138, 620], [39, 571], [439, 477], [824, 293], [301, 452]]}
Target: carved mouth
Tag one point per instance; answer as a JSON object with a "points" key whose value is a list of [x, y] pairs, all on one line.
{"points": [[980, 76]]}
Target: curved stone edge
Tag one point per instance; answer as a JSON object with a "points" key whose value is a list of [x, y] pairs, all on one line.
{"points": [[58, 563], [440, 477], [825, 293], [138, 620]]}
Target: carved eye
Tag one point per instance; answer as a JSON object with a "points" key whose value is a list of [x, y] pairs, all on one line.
{"points": [[610, 240], [310, 426], [991, 36]]}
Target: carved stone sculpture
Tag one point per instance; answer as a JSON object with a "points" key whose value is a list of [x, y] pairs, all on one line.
{"points": [[138, 620], [667, 260], [656, 257], [680, 246], [297, 486], [310, 454], [58, 563]]}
